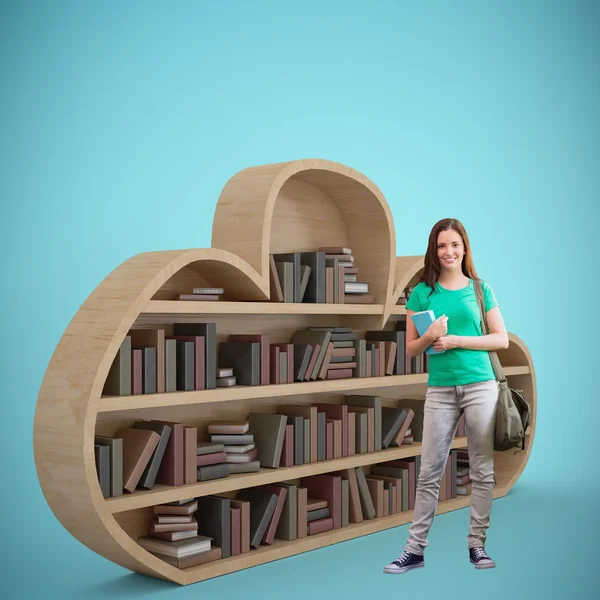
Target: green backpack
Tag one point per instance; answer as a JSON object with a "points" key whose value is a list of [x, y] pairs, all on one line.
{"points": [[513, 415]]}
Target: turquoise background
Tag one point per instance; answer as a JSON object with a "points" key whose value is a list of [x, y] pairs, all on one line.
{"points": [[122, 121]]}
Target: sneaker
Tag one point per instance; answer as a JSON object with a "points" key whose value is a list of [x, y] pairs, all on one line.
{"points": [[405, 562], [480, 559]]}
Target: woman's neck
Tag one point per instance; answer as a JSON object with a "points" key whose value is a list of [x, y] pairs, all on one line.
{"points": [[453, 280]]}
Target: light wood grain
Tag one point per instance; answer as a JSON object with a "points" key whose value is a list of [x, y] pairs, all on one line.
{"points": [[408, 269], [181, 308], [292, 206]]}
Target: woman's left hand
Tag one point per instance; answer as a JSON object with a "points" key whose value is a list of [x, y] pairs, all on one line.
{"points": [[446, 342]]}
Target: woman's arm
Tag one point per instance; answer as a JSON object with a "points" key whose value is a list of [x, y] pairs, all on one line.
{"points": [[495, 340]]}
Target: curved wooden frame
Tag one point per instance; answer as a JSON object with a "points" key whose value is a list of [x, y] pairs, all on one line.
{"points": [[70, 401]]}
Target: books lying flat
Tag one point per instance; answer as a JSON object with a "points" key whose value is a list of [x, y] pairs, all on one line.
{"points": [[178, 548], [173, 536], [208, 472], [232, 439], [213, 458], [157, 527], [169, 509], [193, 560], [209, 447], [239, 449], [250, 467], [228, 427]]}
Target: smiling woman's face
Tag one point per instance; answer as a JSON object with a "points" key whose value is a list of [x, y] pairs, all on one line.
{"points": [[450, 250]]}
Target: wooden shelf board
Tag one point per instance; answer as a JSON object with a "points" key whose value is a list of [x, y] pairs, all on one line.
{"points": [[242, 392], [283, 549], [181, 307], [161, 494], [239, 392]]}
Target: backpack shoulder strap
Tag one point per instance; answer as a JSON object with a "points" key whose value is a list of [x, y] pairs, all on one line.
{"points": [[498, 371], [481, 302]]}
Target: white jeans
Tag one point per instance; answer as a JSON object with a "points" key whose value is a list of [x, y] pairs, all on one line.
{"points": [[443, 407]]}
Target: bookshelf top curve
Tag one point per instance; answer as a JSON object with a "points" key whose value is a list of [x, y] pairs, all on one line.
{"points": [[302, 205]]}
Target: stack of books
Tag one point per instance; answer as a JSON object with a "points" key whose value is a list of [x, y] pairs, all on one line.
{"points": [[174, 536], [203, 294], [238, 445]]}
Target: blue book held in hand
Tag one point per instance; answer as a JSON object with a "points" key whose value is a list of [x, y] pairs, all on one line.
{"points": [[422, 321]]}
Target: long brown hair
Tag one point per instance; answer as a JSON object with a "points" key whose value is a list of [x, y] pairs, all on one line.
{"points": [[431, 273]]}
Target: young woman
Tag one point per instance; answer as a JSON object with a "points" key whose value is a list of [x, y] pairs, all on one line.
{"points": [[461, 380]]}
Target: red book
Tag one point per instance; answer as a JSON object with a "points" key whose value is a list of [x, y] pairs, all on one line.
{"points": [[214, 458], [339, 373], [287, 453], [274, 367], [320, 525], [236, 531]]}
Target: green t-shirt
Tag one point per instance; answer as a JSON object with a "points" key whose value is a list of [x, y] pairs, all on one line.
{"points": [[457, 366]]}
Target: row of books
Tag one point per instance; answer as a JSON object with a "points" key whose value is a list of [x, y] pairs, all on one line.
{"points": [[327, 275], [202, 294], [149, 361], [198, 530], [170, 453]]}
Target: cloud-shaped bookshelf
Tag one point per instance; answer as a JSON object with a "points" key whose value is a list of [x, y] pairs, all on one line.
{"points": [[294, 207]]}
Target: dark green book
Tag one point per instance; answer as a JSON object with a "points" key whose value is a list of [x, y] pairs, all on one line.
{"points": [[391, 421], [244, 358], [269, 431], [209, 331], [214, 520]]}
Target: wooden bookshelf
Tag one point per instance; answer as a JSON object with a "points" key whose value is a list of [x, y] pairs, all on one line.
{"points": [[295, 206]]}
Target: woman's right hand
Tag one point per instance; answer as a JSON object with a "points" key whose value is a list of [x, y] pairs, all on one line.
{"points": [[438, 328]]}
